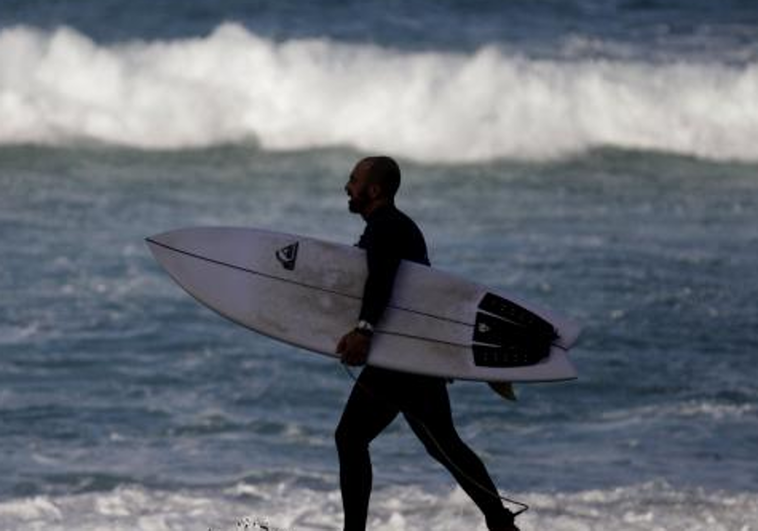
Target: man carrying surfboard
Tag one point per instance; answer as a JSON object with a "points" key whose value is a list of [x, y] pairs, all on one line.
{"points": [[379, 395]]}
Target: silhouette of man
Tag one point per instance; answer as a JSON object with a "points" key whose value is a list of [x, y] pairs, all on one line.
{"points": [[380, 394]]}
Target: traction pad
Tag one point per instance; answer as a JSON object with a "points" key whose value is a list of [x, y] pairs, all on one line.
{"points": [[507, 335]]}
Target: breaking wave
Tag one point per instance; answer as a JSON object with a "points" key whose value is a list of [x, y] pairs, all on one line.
{"points": [[232, 86]]}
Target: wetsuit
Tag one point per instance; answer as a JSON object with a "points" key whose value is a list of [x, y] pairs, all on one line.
{"points": [[380, 394]]}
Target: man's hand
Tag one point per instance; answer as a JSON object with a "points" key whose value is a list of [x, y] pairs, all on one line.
{"points": [[354, 348]]}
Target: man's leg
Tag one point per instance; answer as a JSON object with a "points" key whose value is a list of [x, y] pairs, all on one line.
{"points": [[364, 417], [431, 420]]}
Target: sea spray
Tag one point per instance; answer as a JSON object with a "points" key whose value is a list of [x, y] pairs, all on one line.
{"points": [[233, 86]]}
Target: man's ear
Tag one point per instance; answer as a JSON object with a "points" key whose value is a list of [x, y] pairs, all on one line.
{"points": [[374, 191]]}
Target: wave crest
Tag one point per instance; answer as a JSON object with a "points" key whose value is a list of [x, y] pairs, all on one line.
{"points": [[234, 86]]}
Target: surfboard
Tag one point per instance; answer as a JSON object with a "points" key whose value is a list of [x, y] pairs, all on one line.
{"points": [[307, 292]]}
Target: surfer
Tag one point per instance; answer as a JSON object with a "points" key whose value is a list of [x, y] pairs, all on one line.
{"points": [[380, 394]]}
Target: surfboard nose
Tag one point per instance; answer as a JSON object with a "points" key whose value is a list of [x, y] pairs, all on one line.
{"points": [[177, 238], [200, 241], [160, 248], [167, 246]]}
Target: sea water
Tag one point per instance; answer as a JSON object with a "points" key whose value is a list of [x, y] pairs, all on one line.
{"points": [[599, 158]]}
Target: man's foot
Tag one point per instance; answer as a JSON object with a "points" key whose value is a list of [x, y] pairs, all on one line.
{"points": [[505, 523], [506, 527]]}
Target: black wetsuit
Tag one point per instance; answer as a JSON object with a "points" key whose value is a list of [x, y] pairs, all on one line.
{"points": [[380, 394]]}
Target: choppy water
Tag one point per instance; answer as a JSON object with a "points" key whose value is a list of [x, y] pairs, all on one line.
{"points": [[598, 158]]}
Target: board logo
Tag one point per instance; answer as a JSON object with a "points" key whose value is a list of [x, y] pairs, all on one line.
{"points": [[287, 256]]}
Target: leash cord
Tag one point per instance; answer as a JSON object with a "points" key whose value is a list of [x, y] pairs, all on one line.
{"points": [[524, 506]]}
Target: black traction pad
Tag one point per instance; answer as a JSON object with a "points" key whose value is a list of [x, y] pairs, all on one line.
{"points": [[507, 335]]}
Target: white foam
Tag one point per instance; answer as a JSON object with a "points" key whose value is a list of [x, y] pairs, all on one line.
{"points": [[234, 86], [703, 409], [638, 507]]}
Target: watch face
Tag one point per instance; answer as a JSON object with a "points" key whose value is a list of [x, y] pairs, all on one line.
{"points": [[365, 328]]}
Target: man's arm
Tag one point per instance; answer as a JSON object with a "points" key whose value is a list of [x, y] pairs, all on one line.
{"points": [[383, 261]]}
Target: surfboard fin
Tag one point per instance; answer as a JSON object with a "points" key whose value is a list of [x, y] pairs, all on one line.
{"points": [[504, 389]]}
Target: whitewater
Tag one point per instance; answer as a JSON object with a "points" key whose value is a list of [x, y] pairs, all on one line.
{"points": [[284, 508], [59, 87]]}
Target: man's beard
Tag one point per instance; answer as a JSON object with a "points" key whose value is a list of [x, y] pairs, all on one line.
{"points": [[357, 203]]}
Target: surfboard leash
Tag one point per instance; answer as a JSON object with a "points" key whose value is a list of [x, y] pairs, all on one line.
{"points": [[524, 506]]}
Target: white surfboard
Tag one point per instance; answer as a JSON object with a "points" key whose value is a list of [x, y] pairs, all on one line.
{"points": [[307, 292]]}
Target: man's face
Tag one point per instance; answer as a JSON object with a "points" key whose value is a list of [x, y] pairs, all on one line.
{"points": [[358, 189]]}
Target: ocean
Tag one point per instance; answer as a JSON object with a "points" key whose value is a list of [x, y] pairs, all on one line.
{"points": [[596, 157]]}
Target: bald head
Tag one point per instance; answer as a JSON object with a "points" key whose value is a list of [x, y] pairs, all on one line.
{"points": [[383, 172], [373, 182]]}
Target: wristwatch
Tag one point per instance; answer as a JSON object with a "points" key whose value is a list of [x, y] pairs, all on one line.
{"points": [[365, 328]]}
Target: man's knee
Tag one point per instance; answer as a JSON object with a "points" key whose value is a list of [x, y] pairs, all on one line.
{"points": [[442, 445], [434, 450]]}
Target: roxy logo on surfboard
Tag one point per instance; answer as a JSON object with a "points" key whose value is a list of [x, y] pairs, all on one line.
{"points": [[287, 256]]}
